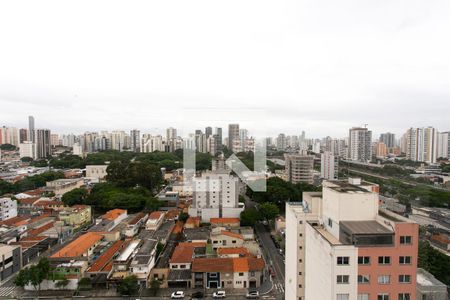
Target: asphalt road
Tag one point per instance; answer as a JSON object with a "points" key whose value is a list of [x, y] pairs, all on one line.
{"points": [[273, 257]]}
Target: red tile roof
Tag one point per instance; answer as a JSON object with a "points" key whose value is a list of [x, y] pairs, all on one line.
{"points": [[184, 251], [102, 262], [113, 214], [136, 218], [79, 246], [229, 251], [228, 265], [232, 234], [194, 221], [16, 220], [178, 228], [37, 231], [224, 220], [155, 215]]}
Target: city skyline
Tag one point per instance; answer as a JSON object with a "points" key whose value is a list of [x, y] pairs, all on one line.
{"points": [[315, 71]]}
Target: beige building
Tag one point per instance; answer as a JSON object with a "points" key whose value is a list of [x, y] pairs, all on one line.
{"points": [[299, 168], [97, 172], [225, 239], [76, 216], [62, 186]]}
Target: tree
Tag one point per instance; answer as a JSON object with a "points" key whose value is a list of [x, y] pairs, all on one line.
{"points": [[7, 147], [84, 283], [26, 159], [154, 286], [434, 262], [249, 217], [22, 278], [269, 211], [128, 286], [183, 217], [34, 275], [75, 196], [62, 283]]}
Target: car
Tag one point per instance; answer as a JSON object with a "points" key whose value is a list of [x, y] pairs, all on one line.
{"points": [[177, 295], [197, 295], [252, 295], [219, 294]]}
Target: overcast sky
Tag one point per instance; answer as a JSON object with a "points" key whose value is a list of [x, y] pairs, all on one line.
{"points": [[273, 66]]}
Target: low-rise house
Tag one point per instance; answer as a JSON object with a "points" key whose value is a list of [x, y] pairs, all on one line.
{"points": [[428, 287], [96, 172], [83, 246], [109, 220], [225, 222], [101, 268], [233, 273], [233, 252], [226, 239], [62, 186], [180, 263], [10, 260], [8, 208], [144, 261], [192, 222], [121, 264], [169, 198], [76, 216], [197, 235], [155, 220], [135, 224]]}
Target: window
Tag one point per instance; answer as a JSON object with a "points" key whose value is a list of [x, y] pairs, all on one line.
{"points": [[383, 297], [384, 279], [213, 275], [330, 222], [405, 240], [343, 260], [363, 260], [363, 297], [404, 296], [241, 274], [300, 222], [404, 260], [342, 279], [342, 296], [384, 260], [404, 278], [363, 278]]}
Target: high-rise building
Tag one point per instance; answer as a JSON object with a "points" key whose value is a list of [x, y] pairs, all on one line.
{"points": [[360, 144], [218, 134], [443, 145], [54, 139], [388, 139], [151, 143], [27, 149], [381, 149], [299, 167], [31, 133], [9, 135], [281, 142], [340, 245], [329, 166], [208, 131], [43, 143], [233, 134], [135, 136], [421, 144], [23, 135], [216, 195]]}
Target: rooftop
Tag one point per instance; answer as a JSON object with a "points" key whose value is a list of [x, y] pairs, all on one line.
{"points": [[224, 220], [184, 252], [364, 227], [201, 233], [107, 256], [79, 246], [114, 214], [228, 265]]}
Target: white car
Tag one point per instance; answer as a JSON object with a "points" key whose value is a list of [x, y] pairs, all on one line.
{"points": [[177, 295], [219, 294], [252, 295]]}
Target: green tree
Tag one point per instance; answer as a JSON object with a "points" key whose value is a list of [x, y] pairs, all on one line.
{"points": [[61, 284], [34, 275], [434, 262], [7, 147], [249, 217], [154, 286], [183, 217], [75, 196], [269, 210], [26, 159], [22, 278], [128, 286], [6, 187]]}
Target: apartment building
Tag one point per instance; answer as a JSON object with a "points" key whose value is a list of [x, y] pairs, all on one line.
{"points": [[329, 166], [360, 144], [62, 186], [348, 249], [10, 260], [97, 172], [216, 195], [8, 208], [27, 149], [299, 167], [421, 144]]}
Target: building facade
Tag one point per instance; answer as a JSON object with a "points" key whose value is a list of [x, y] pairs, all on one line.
{"points": [[360, 144], [299, 168]]}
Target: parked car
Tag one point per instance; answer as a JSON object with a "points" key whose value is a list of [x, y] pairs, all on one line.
{"points": [[219, 294], [252, 295], [197, 295], [177, 295]]}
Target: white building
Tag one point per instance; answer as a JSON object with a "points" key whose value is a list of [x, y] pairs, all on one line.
{"points": [[421, 144], [27, 149], [215, 196], [360, 144], [77, 149], [443, 145], [97, 172], [329, 166], [8, 208], [299, 168]]}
